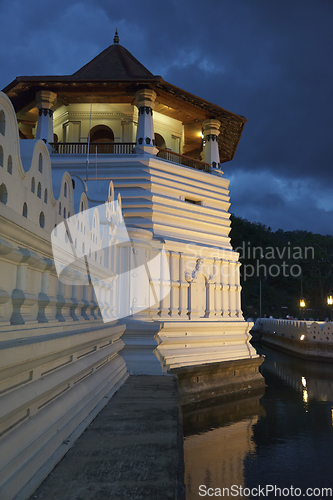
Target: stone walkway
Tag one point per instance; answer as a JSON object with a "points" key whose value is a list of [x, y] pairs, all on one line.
{"points": [[131, 451]]}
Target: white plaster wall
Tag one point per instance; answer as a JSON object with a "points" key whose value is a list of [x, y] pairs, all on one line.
{"points": [[59, 362], [168, 127], [187, 326], [121, 118]]}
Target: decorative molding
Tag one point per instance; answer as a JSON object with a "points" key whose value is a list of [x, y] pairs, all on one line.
{"points": [[192, 276]]}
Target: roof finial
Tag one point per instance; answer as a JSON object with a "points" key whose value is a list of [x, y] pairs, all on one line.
{"points": [[116, 37]]}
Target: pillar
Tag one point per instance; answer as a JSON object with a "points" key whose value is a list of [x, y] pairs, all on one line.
{"points": [[238, 291], [174, 291], [225, 271], [211, 130], [145, 101], [45, 102], [183, 290]]}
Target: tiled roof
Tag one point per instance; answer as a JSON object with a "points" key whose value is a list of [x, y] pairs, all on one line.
{"points": [[114, 63]]}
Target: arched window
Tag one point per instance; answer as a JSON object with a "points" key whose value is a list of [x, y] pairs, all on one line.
{"points": [[3, 194], [65, 213], [1, 156], [10, 165], [25, 210], [65, 190], [60, 208], [101, 133], [42, 219], [40, 163], [33, 185], [45, 196], [159, 141], [39, 190], [2, 122]]}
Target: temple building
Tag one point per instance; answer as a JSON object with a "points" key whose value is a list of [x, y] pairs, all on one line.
{"points": [[110, 132]]}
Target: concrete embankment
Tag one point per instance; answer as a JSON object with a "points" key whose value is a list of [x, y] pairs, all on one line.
{"points": [[131, 450]]}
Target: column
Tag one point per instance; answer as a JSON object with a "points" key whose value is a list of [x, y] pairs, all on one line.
{"points": [[238, 291], [45, 102], [233, 290], [127, 130], [22, 299], [218, 286], [165, 286], [145, 101], [225, 288], [211, 130], [210, 307], [174, 292], [43, 298], [183, 291]]}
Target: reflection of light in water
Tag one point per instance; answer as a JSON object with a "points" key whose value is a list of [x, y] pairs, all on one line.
{"points": [[332, 415], [305, 396], [303, 381], [217, 457], [302, 337]]}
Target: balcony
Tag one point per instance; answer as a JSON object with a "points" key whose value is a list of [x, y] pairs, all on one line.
{"points": [[123, 148]]}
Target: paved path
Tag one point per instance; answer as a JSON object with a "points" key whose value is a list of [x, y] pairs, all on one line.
{"points": [[131, 451]]}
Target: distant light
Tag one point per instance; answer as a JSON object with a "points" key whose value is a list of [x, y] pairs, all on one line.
{"points": [[302, 303], [305, 396], [330, 299], [302, 337], [303, 381]]}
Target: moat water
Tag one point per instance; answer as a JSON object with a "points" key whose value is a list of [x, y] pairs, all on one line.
{"points": [[276, 444]]}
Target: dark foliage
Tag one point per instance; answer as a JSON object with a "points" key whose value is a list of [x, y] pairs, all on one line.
{"points": [[289, 264]]}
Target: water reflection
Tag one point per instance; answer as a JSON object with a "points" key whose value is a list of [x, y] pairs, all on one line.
{"points": [[283, 439], [217, 440]]}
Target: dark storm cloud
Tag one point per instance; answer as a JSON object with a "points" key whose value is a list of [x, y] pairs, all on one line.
{"points": [[269, 60]]}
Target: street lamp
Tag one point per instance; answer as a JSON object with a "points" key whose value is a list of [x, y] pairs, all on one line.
{"points": [[330, 301], [302, 301], [302, 305]]}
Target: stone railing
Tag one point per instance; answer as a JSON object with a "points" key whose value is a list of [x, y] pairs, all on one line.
{"points": [[169, 155], [313, 331], [107, 148], [59, 365], [123, 148]]}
